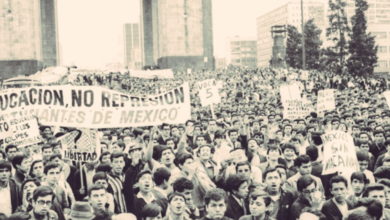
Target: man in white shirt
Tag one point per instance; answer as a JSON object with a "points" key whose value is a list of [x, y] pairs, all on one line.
{"points": [[9, 190]]}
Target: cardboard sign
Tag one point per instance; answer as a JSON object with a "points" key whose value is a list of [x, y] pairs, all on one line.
{"points": [[294, 109], [208, 92], [5, 128], [290, 92], [25, 131], [161, 74], [96, 107], [81, 145], [387, 96], [339, 153], [325, 101]]}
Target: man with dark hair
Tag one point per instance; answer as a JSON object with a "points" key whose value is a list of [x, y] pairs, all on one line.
{"points": [[88, 171], [42, 200], [98, 199], [10, 190], [312, 152], [186, 187], [115, 180], [21, 164], [377, 191], [366, 209], [11, 151], [237, 186], [311, 214], [216, 203], [303, 163], [337, 207], [161, 178], [307, 196], [281, 199]]}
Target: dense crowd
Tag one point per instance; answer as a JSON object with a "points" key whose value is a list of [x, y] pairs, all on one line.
{"points": [[243, 161]]}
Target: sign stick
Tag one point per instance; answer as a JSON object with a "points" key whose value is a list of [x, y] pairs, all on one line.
{"points": [[81, 175], [212, 110]]}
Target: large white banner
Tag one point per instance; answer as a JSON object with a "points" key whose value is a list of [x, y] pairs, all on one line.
{"points": [[147, 74], [208, 92], [339, 153], [96, 107]]}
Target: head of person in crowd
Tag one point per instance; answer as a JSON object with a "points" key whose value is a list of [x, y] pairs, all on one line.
{"points": [[200, 140], [363, 159], [218, 139], [244, 168], [386, 184], [303, 163], [273, 153], [161, 177], [185, 187], [117, 146], [259, 204], [11, 151], [290, 151], [339, 188], [36, 169], [28, 150], [367, 209], [177, 205], [145, 182], [170, 143], [309, 213], [105, 157], [81, 211], [382, 172], [47, 151], [52, 173], [358, 182], [28, 187], [100, 178], [103, 146], [355, 130], [166, 156], [376, 191], [307, 188], [5, 171], [186, 163], [272, 178], [237, 185], [205, 152], [117, 162], [135, 153], [233, 135], [152, 211], [166, 130], [22, 163], [57, 158], [97, 197], [259, 137], [42, 200], [216, 203], [364, 146], [175, 132], [379, 137]]}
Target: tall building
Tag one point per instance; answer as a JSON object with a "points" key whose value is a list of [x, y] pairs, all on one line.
{"points": [[289, 13], [28, 36], [132, 46], [378, 23], [178, 34], [220, 63], [242, 52]]}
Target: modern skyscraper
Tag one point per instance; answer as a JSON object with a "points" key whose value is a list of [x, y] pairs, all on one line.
{"points": [[28, 36], [289, 13], [132, 46], [242, 52], [178, 34]]}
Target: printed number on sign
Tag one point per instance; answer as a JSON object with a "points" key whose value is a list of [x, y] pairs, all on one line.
{"points": [[209, 93]]}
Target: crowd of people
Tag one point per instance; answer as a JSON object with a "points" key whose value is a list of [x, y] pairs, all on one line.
{"points": [[242, 161]]}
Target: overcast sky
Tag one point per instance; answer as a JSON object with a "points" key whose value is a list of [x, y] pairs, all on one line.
{"points": [[90, 31]]}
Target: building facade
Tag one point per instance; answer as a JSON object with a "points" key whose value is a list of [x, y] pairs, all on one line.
{"points": [[378, 23], [177, 34], [220, 63], [132, 46], [289, 13], [242, 52], [28, 36]]}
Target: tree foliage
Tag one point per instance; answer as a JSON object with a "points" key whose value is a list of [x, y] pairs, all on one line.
{"points": [[294, 47], [337, 33], [362, 48]]}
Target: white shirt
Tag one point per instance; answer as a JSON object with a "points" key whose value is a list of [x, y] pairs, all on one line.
{"points": [[5, 201], [343, 208]]}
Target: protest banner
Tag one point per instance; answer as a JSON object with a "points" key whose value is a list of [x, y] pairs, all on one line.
{"points": [[147, 74], [387, 96], [82, 145], [294, 109], [220, 84], [96, 107], [208, 92], [5, 128], [25, 131], [290, 92], [325, 101], [339, 153]]}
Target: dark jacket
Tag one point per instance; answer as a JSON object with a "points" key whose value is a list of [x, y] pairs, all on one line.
{"points": [[332, 212], [77, 184], [19, 177], [298, 206], [234, 209], [249, 217], [16, 195], [130, 180]]}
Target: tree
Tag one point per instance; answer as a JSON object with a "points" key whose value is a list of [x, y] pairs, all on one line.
{"points": [[312, 44], [294, 47], [337, 33], [362, 46]]}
